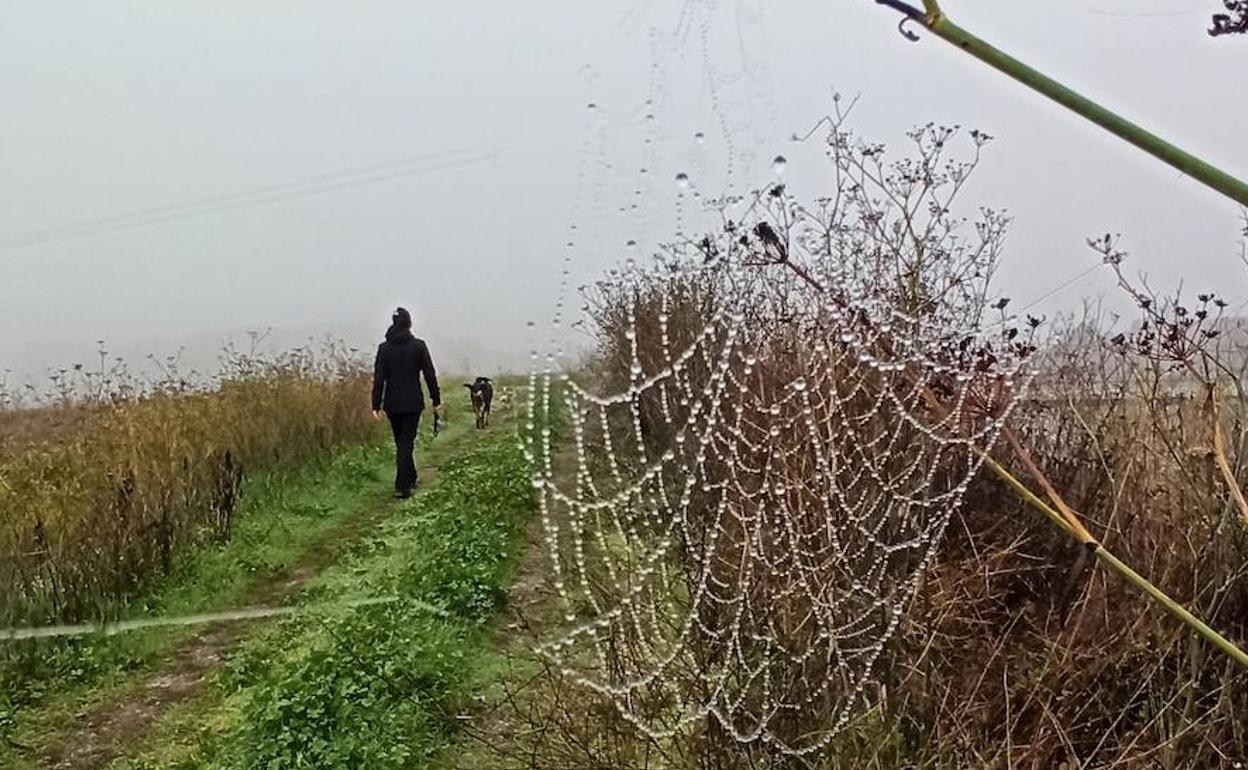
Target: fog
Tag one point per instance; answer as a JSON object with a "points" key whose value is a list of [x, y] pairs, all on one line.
{"points": [[176, 174]]}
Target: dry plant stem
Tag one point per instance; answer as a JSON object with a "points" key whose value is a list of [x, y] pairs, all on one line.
{"points": [[1026, 494], [1219, 451], [1073, 522], [1069, 521]]}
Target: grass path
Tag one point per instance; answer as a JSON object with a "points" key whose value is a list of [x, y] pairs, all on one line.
{"points": [[520, 710], [107, 729], [370, 686], [88, 703], [379, 686]]}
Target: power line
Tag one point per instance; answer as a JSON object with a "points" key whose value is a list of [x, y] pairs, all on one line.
{"points": [[1014, 314], [243, 199], [1064, 284]]}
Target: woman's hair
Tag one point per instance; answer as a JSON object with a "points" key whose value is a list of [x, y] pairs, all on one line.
{"points": [[402, 318]]}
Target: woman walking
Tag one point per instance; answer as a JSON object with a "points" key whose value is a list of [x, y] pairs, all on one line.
{"points": [[401, 361]]}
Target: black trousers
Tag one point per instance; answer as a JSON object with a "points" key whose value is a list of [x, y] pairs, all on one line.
{"points": [[404, 427]]}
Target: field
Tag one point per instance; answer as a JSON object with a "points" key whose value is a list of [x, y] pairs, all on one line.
{"points": [[787, 515], [812, 447], [412, 639], [329, 626], [341, 684]]}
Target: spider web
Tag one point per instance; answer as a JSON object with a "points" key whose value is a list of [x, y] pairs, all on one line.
{"points": [[763, 463], [735, 534]]}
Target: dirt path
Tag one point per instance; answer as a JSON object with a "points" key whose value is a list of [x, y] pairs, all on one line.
{"points": [[113, 727]]}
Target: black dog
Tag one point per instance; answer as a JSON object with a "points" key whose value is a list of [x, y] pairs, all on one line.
{"points": [[482, 392]]}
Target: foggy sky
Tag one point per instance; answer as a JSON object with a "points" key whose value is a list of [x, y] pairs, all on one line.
{"points": [[435, 154]]}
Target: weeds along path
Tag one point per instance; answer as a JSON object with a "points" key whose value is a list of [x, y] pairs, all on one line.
{"points": [[524, 714], [375, 686], [517, 718], [91, 701]]}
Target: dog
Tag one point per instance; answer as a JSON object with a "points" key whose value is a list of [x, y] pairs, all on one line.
{"points": [[482, 392]]}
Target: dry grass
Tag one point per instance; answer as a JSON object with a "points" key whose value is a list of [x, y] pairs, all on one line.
{"points": [[1019, 652], [101, 488], [1023, 654]]}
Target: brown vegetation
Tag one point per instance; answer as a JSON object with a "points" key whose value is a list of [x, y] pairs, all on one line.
{"points": [[1018, 650], [104, 483]]}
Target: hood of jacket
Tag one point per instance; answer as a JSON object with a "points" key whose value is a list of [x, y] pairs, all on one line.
{"points": [[398, 335]]}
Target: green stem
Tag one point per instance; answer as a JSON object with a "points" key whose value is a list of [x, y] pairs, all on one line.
{"points": [[1173, 607], [1189, 164], [1117, 565]]}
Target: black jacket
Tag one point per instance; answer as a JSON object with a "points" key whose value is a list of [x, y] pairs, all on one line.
{"points": [[401, 360]]}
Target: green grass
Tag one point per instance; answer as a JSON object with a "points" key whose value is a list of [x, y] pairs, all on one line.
{"points": [[374, 687], [43, 683]]}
